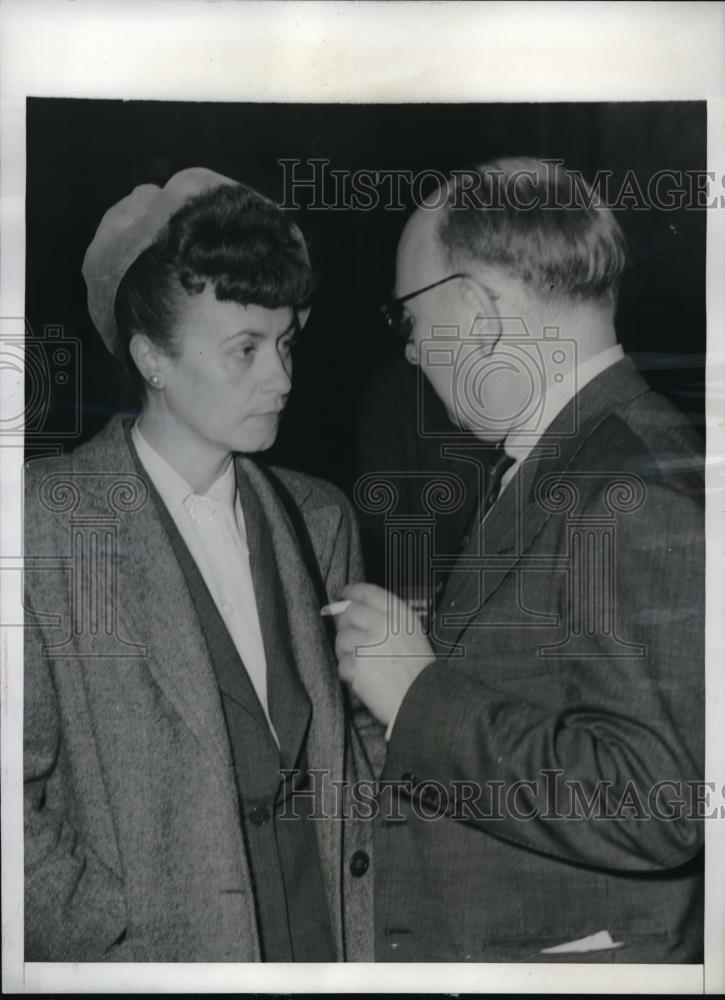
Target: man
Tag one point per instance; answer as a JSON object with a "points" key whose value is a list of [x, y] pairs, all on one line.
{"points": [[543, 735]]}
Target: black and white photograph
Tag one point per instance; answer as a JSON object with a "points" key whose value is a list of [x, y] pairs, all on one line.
{"points": [[363, 463]]}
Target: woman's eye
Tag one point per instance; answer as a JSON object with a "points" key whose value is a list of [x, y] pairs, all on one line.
{"points": [[246, 351]]}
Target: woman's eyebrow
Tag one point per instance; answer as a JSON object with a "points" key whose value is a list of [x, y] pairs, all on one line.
{"points": [[261, 334], [247, 332]]}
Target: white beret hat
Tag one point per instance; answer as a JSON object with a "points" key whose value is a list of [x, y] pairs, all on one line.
{"points": [[132, 225]]}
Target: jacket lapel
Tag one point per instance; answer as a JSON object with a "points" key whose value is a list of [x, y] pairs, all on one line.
{"points": [[155, 607], [517, 518], [288, 702], [318, 673]]}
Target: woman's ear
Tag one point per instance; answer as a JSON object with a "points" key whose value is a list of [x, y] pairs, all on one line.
{"points": [[148, 359]]}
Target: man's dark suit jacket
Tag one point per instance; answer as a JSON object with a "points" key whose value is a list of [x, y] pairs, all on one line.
{"points": [[580, 666]]}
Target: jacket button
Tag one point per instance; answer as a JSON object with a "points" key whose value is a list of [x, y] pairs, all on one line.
{"points": [[464, 541], [260, 815], [359, 863], [439, 587]]}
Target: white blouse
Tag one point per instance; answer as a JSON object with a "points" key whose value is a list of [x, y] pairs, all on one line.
{"points": [[213, 528]]}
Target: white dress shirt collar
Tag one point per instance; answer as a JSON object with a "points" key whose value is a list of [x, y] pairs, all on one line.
{"points": [[519, 446]]}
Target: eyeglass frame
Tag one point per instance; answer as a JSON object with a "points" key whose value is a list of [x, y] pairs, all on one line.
{"points": [[387, 307]]}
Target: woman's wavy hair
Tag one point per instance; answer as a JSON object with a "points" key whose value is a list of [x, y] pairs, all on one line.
{"points": [[229, 237]]}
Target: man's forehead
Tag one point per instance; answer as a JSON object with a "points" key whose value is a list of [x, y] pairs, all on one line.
{"points": [[420, 258]]}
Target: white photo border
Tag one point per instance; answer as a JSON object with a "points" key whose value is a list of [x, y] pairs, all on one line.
{"points": [[222, 50]]}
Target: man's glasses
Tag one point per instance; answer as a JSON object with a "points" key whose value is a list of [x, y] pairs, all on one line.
{"points": [[397, 318]]}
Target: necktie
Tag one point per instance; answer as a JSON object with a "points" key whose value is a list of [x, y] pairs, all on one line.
{"points": [[495, 472]]}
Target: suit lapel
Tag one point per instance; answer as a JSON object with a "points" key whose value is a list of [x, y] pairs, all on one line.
{"points": [[518, 517]]}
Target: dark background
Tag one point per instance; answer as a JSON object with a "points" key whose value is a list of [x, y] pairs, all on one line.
{"points": [[84, 155]]}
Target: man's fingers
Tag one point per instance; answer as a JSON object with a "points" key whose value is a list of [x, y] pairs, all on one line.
{"points": [[346, 667], [348, 640], [360, 616], [370, 594]]}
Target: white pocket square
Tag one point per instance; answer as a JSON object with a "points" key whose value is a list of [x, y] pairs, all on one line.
{"points": [[594, 942]]}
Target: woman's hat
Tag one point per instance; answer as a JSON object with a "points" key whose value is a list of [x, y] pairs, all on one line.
{"points": [[132, 225]]}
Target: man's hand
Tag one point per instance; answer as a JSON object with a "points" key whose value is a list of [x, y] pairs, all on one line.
{"points": [[381, 647]]}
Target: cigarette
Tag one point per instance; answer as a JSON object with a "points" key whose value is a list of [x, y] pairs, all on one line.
{"points": [[336, 608]]}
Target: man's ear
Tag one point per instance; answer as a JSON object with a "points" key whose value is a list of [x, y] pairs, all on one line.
{"points": [[411, 351], [481, 301], [148, 358], [479, 296]]}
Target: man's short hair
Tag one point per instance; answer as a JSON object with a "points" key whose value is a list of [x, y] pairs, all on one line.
{"points": [[539, 222]]}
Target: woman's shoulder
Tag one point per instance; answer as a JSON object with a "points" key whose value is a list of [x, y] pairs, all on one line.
{"points": [[38, 470], [310, 492], [55, 475], [327, 514], [97, 448]]}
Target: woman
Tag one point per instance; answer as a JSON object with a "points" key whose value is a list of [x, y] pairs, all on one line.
{"points": [[183, 717]]}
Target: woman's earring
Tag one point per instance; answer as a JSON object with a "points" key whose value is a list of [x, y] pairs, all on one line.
{"points": [[156, 382]]}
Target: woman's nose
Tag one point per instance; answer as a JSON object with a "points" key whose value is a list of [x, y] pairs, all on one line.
{"points": [[277, 372]]}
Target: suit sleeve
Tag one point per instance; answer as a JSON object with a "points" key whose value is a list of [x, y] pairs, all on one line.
{"points": [[625, 734], [74, 904]]}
